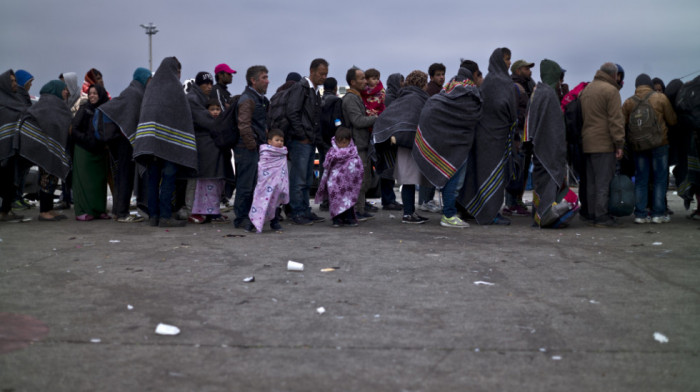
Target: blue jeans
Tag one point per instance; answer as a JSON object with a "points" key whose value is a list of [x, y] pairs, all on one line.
{"points": [[301, 175], [654, 162], [451, 190], [161, 186], [246, 179]]}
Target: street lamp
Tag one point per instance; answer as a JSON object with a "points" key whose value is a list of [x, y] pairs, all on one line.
{"points": [[151, 30]]}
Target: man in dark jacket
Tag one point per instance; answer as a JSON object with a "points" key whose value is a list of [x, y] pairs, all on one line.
{"points": [[224, 75], [252, 125], [304, 115], [356, 118]]}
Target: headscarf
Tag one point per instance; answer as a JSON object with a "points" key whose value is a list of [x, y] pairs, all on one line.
{"points": [[142, 75], [71, 80], [8, 98], [550, 73], [54, 87], [393, 85], [23, 77], [11, 107]]}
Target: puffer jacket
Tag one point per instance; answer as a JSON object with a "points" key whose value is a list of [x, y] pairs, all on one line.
{"points": [[603, 123], [665, 115]]}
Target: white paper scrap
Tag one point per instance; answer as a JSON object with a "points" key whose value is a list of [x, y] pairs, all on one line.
{"points": [[129, 307], [481, 282], [165, 329], [661, 338], [321, 310], [556, 357], [114, 241], [657, 243], [95, 340]]}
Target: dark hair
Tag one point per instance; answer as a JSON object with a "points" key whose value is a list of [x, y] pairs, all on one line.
{"points": [[330, 84], [253, 73], [416, 78], [434, 67], [218, 75], [213, 102], [351, 74], [372, 72], [343, 133], [315, 63], [275, 132], [505, 51], [470, 65]]}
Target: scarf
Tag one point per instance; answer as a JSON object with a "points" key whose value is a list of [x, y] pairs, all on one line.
{"points": [[374, 99], [272, 189], [482, 194], [546, 130], [43, 132], [11, 107], [446, 131], [165, 128], [342, 178]]}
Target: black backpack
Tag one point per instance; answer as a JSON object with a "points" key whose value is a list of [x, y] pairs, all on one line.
{"points": [[644, 132], [688, 103], [225, 132], [331, 111], [277, 112]]}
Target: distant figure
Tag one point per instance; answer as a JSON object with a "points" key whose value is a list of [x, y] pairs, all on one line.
{"points": [[436, 71]]}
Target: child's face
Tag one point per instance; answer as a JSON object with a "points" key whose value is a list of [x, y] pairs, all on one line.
{"points": [[342, 143], [372, 82], [215, 110], [276, 141]]}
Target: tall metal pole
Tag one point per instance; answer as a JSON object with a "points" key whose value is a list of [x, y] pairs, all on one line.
{"points": [[151, 30]]}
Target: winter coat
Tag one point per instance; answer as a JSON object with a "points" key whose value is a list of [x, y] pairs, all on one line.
{"points": [[603, 123], [356, 118]]}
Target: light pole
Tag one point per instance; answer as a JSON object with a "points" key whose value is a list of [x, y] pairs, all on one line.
{"points": [[151, 30]]}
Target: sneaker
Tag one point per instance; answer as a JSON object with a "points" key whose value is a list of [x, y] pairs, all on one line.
{"points": [[302, 221], [249, 228], [10, 217], [275, 225], [640, 220], [315, 218], [363, 216], [610, 223], [660, 219], [131, 219], [325, 206], [414, 219], [337, 222], [20, 205], [393, 206], [430, 206], [453, 222], [171, 223], [370, 207], [197, 219], [501, 220]]}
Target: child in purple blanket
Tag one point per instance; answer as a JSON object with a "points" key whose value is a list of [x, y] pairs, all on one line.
{"points": [[272, 188], [342, 178]]}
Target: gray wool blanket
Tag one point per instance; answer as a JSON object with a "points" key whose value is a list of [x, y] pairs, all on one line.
{"points": [[43, 135], [125, 109], [210, 159], [11, 108], [484, 185], [446, 131], [165, 128], [401, 118]]}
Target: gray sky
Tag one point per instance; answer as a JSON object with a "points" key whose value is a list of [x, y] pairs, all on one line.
{"points": [[50, 37]]}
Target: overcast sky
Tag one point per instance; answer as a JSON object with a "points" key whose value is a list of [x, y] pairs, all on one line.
{"points": [[47, 38]]}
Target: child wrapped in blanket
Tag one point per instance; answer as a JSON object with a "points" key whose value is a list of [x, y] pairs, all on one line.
{"points": [[342, 178], [272, 188]]}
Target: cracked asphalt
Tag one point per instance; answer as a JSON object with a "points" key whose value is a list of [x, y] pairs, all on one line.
{"points": [[410, 308]]}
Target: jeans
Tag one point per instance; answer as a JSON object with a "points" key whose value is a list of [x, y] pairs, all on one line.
{"points": [[161, 185], [301, 174], [387, 188], [450, 192], [655, 162], [246, 179]]}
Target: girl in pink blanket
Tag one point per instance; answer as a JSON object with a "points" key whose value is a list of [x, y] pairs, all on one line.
{"points": [[272, 188], [342, 178]]}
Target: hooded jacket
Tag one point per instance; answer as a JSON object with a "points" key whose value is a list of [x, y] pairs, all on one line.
{"points": [[603, 124]]}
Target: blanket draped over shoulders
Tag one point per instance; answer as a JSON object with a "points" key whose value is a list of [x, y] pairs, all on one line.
{"points": [[272, 188]]}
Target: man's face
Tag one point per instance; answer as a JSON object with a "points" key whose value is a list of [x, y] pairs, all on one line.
{"points": [[360, 82], [658, 87], [506, 58], [525, 72], [13, 82], [206, 88], [318, 76], [260, 83], [225, 78], [439, 77]]}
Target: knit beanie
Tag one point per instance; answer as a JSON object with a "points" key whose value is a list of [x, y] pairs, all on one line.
{"points": [[23, 77], [142, 75], [643, 80], [202, 78]]}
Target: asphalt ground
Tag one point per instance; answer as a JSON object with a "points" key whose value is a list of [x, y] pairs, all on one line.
{"points": [[409, 307]]}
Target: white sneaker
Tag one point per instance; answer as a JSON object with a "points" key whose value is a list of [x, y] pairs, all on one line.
{"points": [[661, 219], [430, 206], [642, 220]]}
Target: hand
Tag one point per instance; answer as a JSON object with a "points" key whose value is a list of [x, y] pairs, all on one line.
{"points": [[618, 154], [393, 140]]}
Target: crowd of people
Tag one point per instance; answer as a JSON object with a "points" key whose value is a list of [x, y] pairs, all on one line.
{"points": [[475, 139]]}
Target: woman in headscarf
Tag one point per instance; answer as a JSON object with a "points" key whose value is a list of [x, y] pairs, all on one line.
{"points": [[42, 139], [11, 108], [90, 163], [398, 124]]}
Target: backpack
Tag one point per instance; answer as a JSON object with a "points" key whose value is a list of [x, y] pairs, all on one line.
{"points": [[622, 199], [688, 103], [331, 111], [573, 116], [644, 132], [277, 112], [225, 132]]}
